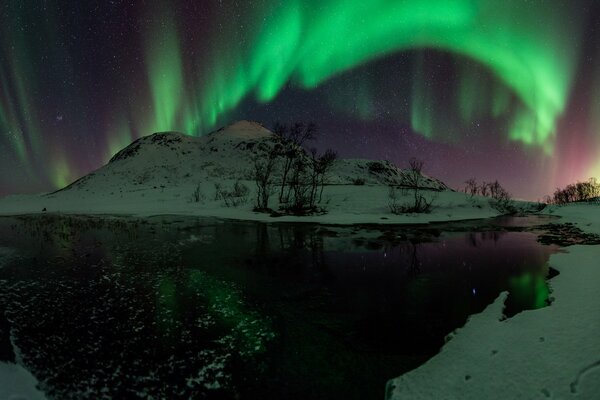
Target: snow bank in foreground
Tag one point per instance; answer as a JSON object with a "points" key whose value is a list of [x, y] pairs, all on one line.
{"points": [[585, 215], [16, 383], [553, 352]]}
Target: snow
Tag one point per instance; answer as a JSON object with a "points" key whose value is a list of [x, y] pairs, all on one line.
{"points": [[16, 383], [552, 352], [245, 130], [346, 204], [585, 215], [157, 174]]}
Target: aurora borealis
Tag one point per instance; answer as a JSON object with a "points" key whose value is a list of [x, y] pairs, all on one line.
{"points": [[477, 88]]}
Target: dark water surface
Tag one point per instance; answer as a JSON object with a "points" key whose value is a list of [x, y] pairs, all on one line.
{"points": [[172, 307]]}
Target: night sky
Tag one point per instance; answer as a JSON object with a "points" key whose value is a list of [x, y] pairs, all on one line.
{"points": [[506, 90]]}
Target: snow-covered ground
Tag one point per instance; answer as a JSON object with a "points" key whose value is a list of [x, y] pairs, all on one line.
{"points": [[586, 216], [552, 352], [345, 204], [16, 383]]}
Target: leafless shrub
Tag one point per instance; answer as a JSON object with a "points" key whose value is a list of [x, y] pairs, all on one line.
{"points": [[414, 181], [501, 199], [471, 187], [197, 195], [219, 191], [232, 198], [420, 205]]}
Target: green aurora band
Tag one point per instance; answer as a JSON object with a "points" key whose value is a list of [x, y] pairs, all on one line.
{"points": [[17, 113], [527, 47], [20, 88], [165, 73]]}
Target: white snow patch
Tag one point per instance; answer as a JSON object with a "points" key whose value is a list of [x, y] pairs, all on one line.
{"points": [[16, 383], [345, 204], [244, 130], [586, 216]]}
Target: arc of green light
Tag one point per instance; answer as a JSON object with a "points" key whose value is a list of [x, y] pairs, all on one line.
{"points": [[165, 72], [309, 42]]}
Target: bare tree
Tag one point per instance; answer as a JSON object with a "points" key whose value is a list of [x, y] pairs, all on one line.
{"points": [[292, 138], [320, 166], [263, 171], [484, 189], [414, 180], [299, 187], [471, 187], [326, 162], [393, 199], [501, 198]]}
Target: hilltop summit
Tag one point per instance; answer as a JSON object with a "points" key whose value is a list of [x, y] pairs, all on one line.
{"points": [[244, 129]]}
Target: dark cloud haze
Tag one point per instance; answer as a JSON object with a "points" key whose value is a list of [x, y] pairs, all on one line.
{"points": [[476, 88]]}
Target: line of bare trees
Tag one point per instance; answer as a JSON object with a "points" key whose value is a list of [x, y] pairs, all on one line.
{"points": [[501, 198], [486, 189], [302, 174], [580, 191]]}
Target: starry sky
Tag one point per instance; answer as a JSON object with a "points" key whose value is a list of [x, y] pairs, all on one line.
{"points": [[504, 90]]}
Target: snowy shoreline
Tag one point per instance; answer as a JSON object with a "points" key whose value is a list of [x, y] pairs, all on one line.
{"points": [[347, 205], [17, 383]]}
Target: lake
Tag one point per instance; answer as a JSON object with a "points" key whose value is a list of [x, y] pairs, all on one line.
{"points": [[177, 307]]}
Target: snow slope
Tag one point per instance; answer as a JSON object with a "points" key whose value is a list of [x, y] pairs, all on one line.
{"points": [[158, 174], [586, 216], [553, 352], [16, 383]]}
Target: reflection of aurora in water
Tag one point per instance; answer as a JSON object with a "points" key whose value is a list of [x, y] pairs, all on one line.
{"points": [[527, 291], [209, 308], [182, 66]]}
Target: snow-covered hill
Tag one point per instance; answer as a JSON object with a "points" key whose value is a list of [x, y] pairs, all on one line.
{"points": [[171, 159], [173, 173]]}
